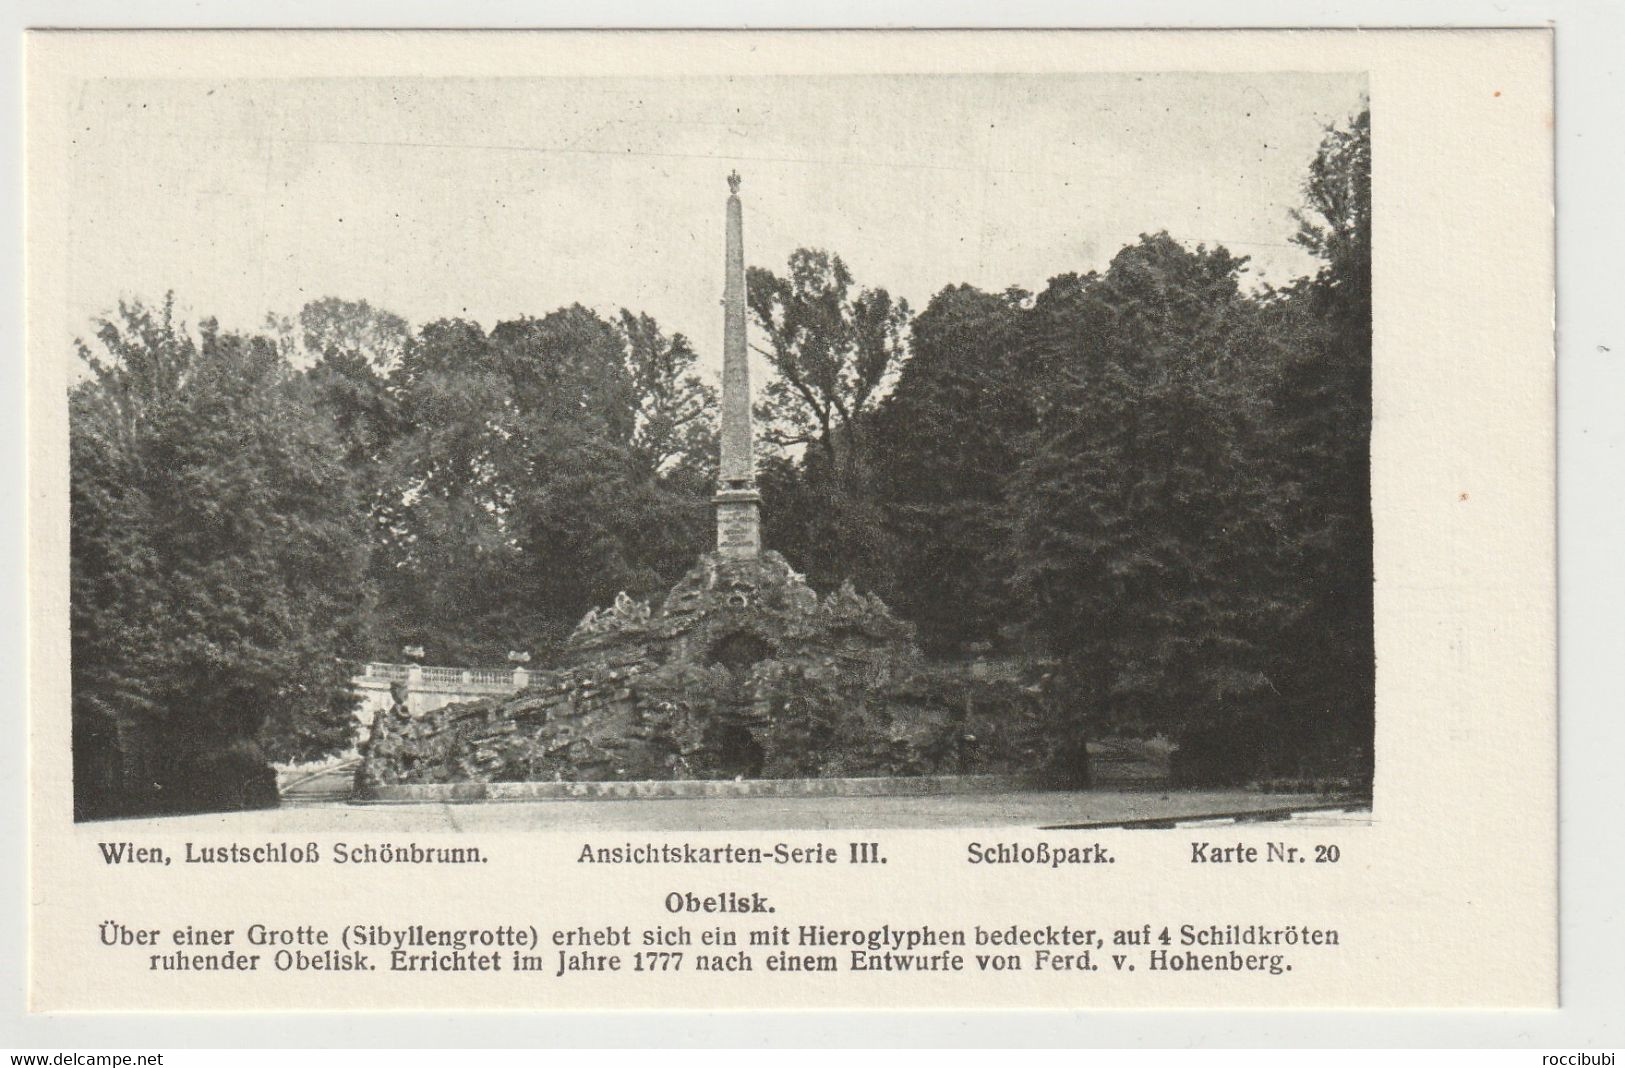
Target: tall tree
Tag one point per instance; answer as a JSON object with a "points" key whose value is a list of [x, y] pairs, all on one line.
{"points": [[1325, 424], [218, 568], [616, 497], [443, 544], [356, 328], [545, 467], [673, 427], [349, 348], [834, 351], [1336, 226], [1147, 511]]}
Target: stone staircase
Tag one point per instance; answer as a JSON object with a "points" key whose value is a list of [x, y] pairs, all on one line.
{"points": [[325, 786]]}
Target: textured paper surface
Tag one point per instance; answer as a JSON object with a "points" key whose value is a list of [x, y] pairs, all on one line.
{"points": [[1446, 899]]}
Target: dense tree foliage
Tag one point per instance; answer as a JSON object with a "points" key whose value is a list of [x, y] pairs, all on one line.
{"points": [[1153, 478], [1325, 417], [546, 466], [216, 545], [949, 438], [835, 349]]}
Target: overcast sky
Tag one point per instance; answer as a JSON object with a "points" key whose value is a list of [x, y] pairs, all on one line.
{"points": [[494, 198]]}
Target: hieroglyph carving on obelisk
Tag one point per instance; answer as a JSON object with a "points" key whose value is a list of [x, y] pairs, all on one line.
{"points": [[739, 527]]}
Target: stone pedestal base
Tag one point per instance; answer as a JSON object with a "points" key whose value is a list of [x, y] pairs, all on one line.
{"points": [[739, 523]]}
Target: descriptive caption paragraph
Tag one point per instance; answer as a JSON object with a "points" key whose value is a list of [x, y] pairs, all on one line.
{"points": [[562, 952]]}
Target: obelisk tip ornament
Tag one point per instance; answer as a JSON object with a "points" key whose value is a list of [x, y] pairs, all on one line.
{"points": [[739, 528]]}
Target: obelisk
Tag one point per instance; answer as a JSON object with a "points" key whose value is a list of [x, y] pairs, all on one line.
{"points": [[739, 522]]}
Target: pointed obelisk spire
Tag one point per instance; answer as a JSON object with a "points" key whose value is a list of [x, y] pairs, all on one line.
{"points": [[739, 528]]}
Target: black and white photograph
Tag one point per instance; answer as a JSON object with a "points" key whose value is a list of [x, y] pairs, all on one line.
{"points": [[722, 452]]}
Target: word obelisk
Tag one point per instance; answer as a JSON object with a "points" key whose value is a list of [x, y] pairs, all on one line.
{"points": [[739, 521]]}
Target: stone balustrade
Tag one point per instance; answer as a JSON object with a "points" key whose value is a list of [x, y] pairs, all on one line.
{"points": [[429, 688]]}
